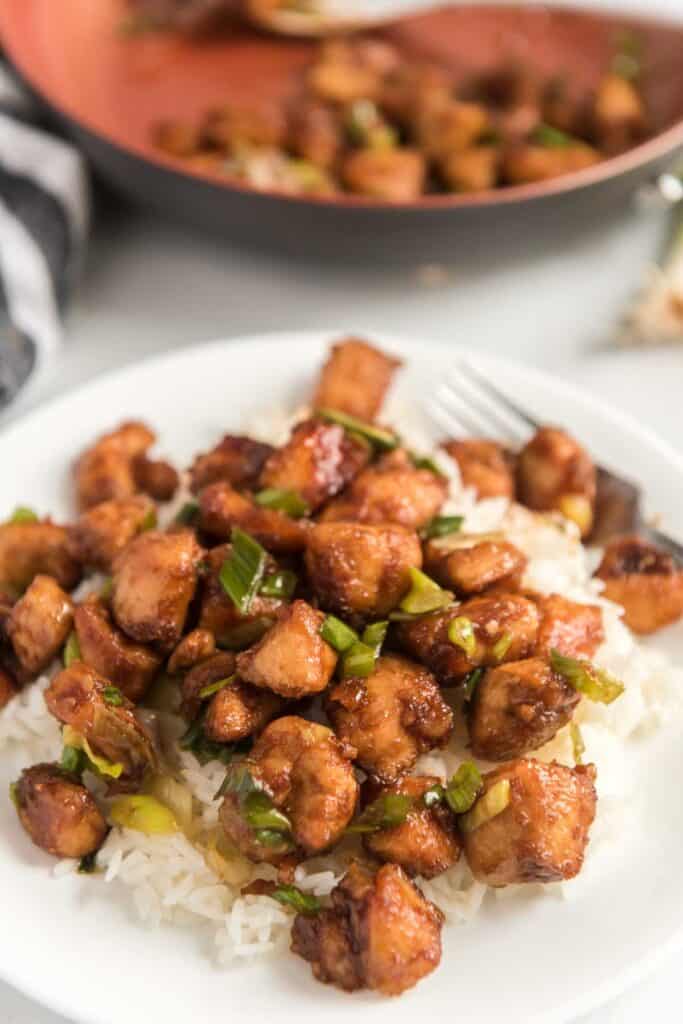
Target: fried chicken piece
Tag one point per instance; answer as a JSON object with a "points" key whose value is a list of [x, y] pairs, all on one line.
{"points": [[216, 668], [156, 477], [380, 933], [517, 708], [233, 126], [542, 833], [618, 114], [397, 175], [469, 565], [127, 665], [30, 549], [219, 615], [474, 169], [645, 581], [427, 842], [194, 648], [236, 460], [307, 774], [391, 716], [315, 134], [484, 465], [58, 813], [392, 490], [505, 627], [239, 710], [221, 508], [355, 379], [105, 470], [317, 462], [360, 570], [450, 126], [103, 530], [526, 162], [39, 624], [78, 696], [154, 580], [555, 473], [291, 659], [569, 627]]}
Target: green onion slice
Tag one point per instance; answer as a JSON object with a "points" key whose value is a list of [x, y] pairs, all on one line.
{"points": [[150, 521], [595, 683], [551, 138], [302, 902], [359, 660], [289, 502], [337, 634], [502, 646], [143, 813], [442, 526], [72, 760], [374, 636], [241, 574], [23, 514], [72, 650], [463, 788], [492, 803], [14, 793], [461, 634], [424, 595], [385, 440], [387, 811], [434, 795], [279, 584], [426, 462], [261, 813], [112, 695], [188, 514], [211, 688], [107, 588], [578, 746], [471, 681], [270, 837]]}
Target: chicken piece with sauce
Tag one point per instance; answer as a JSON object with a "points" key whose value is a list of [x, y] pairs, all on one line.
{"points": [[104, 647], [305, 773], [360, 570], [380, 933], [195, 647], [218, 613], [391, 716], [105, 471], [28, 549], [355, 379], [486, 466], [236, 460], [572, 628], [536, 825], [58, 813], [102, 531], [555, 473], [234, 711], [221, 509], [39, 624], [470, 564], [396, 174], [645, 581]]}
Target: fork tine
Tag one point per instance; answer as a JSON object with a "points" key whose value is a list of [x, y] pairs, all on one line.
{"points": [[501, 398], [504, 423], [454, 406]]}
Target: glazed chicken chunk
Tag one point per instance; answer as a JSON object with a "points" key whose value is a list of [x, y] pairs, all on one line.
{"points": [[618, 114], [380, 933], [569, 627], [218, 613], [127, 665], [196, 646], [219, 666], [484, 465], [645, 581], [395, 174], [236, 460], [392, 490], [555, 473], [103, 530], [355, 379], [239, 710], [58, 813], [291, 659], [317, 462], [27, 549], [305, 772], [527, 162], [518, 707], [221, 508], [105, 470], [469, 565], [154, 580], [82, 699], [427, 842], [391, 716], [540, 832], [155, 477], [39, 624], [488, 630], [360, 570]]}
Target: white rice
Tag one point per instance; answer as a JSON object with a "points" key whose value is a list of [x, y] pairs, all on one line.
{"points": [[169, 879]]}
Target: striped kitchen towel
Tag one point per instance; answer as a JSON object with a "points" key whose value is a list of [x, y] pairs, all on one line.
{"points": [[44, 211]]}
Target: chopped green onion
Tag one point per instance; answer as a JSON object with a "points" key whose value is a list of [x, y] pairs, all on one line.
{"points": [[106, 588], [269, 837], [578, 746], [241, 574], [73, 760], [150, 521], [14, 793], [112, 695], [471, 681], [302, 902], [23, 514], [551, 138], [239, 781], [595, 683], [337, 634], [245, 634], [366, 127], [502, 646], [188, 514], [211, 688], [88, 864], [387, 811], [261, 813], [463, 788], [385, 440], [279, 584], [374, 636], [426, 462], [358, 661], [424, 595], [434, 795], [490, 805], [109, 769], [143, 814], [72, 650], [289, 502], [461, 633], [441, 526]]}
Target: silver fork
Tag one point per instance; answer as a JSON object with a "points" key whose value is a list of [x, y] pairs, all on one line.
{"points": [[468, 404]]}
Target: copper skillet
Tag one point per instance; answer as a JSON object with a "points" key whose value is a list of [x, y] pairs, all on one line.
{"points": [[108, 90]]}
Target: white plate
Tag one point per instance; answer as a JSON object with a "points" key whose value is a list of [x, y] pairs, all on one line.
{"points": [[73, 945]]}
